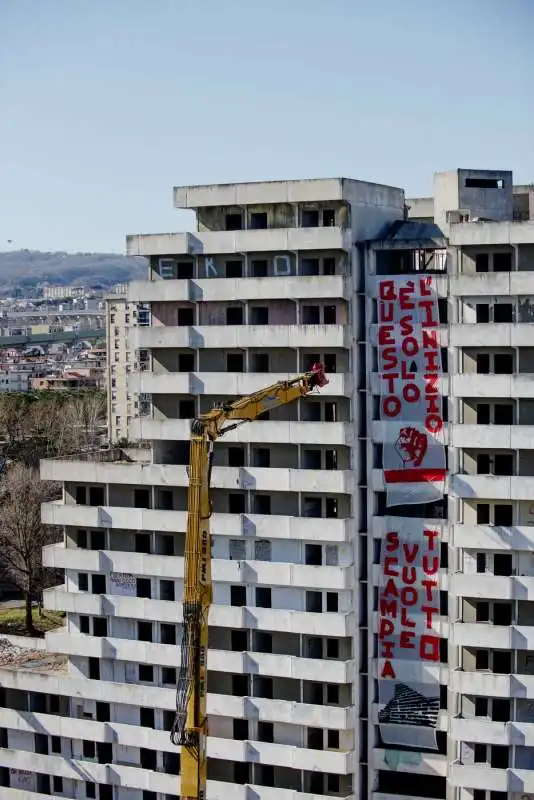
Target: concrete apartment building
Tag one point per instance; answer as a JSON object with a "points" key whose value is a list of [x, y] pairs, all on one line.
{"points": [[277, 276]]}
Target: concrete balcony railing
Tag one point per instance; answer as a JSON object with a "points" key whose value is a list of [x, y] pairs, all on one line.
{"points": [[494, 537], [306, 669], [230, 478], [269, 432], [179, 290], [502, 334], [221, 616], [224, 384], [506, 734], [513, 782], [493, 487], [491, 587], [219, 705], [275, 240], [493, 386], [271, 573], [495, 637], [489, 284], [233, 525], [483, 683], [240, 336], [504, 437]]}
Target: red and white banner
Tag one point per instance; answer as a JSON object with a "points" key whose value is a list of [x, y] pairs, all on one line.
{"points": [[409, 633], [409, 360]]}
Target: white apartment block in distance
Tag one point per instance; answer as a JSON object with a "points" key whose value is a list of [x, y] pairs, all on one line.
{"points": [[314, 689]]}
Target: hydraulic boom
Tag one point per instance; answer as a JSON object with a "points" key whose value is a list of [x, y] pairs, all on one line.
{"points": [[190, 729]]}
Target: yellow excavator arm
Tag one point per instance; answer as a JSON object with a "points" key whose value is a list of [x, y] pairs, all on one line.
{"points": [[190, 729]]}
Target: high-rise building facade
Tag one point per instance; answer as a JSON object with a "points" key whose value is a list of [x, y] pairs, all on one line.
{"points": [[370, 633]]}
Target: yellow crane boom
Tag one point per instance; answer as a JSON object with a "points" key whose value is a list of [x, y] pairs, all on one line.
{"points": [[190, 729]]}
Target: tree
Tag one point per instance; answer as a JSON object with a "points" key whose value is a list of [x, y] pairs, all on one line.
{"points": [[22, 535], [86, 417]]}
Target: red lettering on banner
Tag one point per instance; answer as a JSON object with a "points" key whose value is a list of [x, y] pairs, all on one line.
{"points": [[409, 600], [385, 335]]}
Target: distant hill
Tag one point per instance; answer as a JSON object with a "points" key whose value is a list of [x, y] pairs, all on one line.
{"points": [[22, 271]]}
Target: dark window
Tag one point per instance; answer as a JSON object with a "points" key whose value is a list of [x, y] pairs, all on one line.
{"points": [[166, 590], [144, 631], [503, 312], [98, 540], [265, 732], [171, 763], [238, 641], [310, 218], [484, 183], [259, 315], [314, 602], [165, 500], [502, 564], [186, 409], [90, 789], [330, 362], [141, 498], [262, 504], [482, 659], [57, 784], [262, 457], [83, 582], [312, 507], [236, 456], [311, 315], [480, 753], [482, 310], [481, 706], [240, 729], [483, 413], [81, 539], [96, 496], [332, 648], [165, 544], [80, 495], [482, 262], [236, 503], [331, 508], [146, 718], [144, 587], [88, 749], [259, 269], [55, 744], [98, 584], [240, 687], [309, 266], [333, 740], [168, 633], [234, 362], [503, 364], [168, 675], [330, 315], [503, 515], [503, 414], [483, 513], [332, 601], [483, 363], [502, 262], [258, 220], [502, 614], [332, 693], [94, 669], [84, 624], [104, 751], [238, 596], [186, 316], [263, 642], [148, 795], [263, 687], [313, 555], [234, 269], [41, 744], [186, 362], [482, 612], [103, 712], [329, 217], [483, 464], [502, 662], [100, 626], [234, 315], [481, 562], [503, 464], [148, 758], [329, 266], [263, 597], [260, 362], [233, 222], [142, 543], [500, 711]]}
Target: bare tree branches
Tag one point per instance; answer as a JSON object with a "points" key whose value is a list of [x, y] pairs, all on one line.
{"points": [[22, 535]]}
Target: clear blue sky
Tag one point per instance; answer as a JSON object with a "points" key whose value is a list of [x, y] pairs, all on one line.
{"points": [[106, 104]]}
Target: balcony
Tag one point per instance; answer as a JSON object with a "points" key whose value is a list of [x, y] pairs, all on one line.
{"points": [[224, 384], [490, 732], [493, 537], [219, 705], [492, 233], [235, 572], [495, 637], [482, 776], [268, 432], [491, 587], [487, 684], [300, 287], [221, 616], [503, 334], [305, 669], [492, 283], [240, 336], [493, 487], [233, 525], [504, 437], [493, 386], [275, 240]]}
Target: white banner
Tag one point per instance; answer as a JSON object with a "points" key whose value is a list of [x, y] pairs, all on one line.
{"points": [[124, 584], [409, 633], [409, 361]]}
